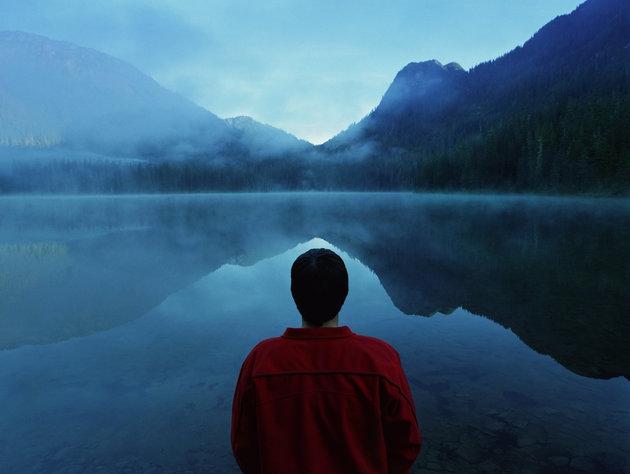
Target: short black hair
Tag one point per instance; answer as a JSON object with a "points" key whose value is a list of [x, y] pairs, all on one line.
{"points": [[319, 285]]}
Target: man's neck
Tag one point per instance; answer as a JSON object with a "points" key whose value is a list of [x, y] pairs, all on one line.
{"points": [[333, 323]]}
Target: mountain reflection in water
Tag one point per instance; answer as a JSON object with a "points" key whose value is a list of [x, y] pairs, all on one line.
{"points": [[205, 277]]}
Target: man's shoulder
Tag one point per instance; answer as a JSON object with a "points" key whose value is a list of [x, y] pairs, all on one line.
{"points": [[266, 344], [379, 346]]}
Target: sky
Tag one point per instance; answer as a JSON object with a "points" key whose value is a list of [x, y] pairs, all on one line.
{"points": [[310, 67]]}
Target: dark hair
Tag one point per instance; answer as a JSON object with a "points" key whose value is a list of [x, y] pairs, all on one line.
{"points": [[319, 285]]}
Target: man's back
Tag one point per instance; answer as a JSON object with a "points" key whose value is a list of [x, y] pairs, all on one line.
{"points": [[324, 400]]}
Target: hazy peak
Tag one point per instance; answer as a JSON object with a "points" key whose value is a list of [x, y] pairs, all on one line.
{"points": [[241, 121], [428, 82], [453, 66], [432, 65]]}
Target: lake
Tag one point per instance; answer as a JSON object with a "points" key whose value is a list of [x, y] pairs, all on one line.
{"points": [[124, 321]]}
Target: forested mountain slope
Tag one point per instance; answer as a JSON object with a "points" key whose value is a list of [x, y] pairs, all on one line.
{"points": [[553, 113]]}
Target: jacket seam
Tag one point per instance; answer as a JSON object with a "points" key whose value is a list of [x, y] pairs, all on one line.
{"points": [[316, 390], [341, 372]]}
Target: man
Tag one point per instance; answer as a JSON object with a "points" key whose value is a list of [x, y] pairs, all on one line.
{"points": [[320, 398]]}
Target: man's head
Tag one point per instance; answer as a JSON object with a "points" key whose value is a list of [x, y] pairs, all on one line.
{"points": [[319, 285]]}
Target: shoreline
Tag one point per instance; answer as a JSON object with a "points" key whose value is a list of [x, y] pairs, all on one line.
{"points": [[419, 193]]}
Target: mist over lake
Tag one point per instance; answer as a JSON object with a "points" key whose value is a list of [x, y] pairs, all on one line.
{"points": [[124, 321]]}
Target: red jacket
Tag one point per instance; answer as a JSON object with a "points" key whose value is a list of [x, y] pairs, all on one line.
{"points": [[323, 400]]}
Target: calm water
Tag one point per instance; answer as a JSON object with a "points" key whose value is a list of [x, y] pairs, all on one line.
{"points": [[124, 321]]}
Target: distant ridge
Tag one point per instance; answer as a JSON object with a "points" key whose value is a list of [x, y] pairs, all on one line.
{"points": [[54, 94]]}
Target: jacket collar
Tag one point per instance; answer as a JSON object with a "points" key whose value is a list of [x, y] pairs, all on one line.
{"points": [[317, 333]]}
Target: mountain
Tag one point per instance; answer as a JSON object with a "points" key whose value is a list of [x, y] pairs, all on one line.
{"points": [[56, 93], [550, 116], [419, 92], [263, 140], [75, 101], [426, 85], [552, 113]]}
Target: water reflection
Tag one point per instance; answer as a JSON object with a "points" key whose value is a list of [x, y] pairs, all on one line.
{"points": [[123, 388], [554, 271]]}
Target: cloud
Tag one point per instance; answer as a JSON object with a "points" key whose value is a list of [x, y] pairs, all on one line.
{"points": [[152, 37]]}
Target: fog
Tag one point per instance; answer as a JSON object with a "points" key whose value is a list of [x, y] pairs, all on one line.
{"points": [[131, 315], [74, 108]]}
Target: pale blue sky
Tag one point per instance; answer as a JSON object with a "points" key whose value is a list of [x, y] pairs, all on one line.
{"points": [[309, 67]]}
